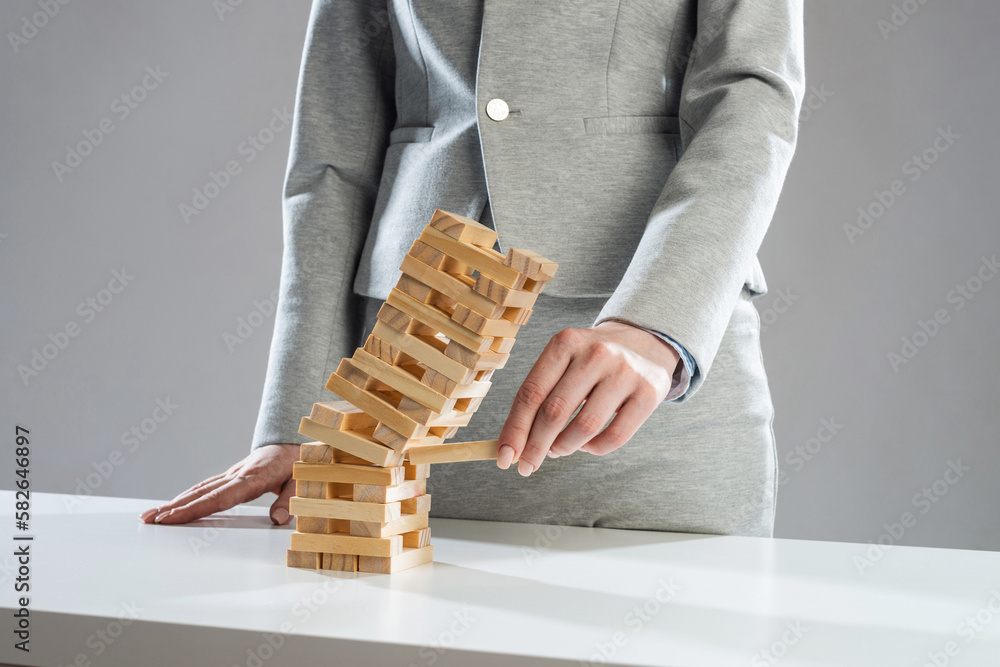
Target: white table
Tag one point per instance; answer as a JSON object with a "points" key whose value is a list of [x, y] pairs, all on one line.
{"points": [[107, 590]]}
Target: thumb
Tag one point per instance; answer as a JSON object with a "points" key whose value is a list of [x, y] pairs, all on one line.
{"points": [[279, 508]]}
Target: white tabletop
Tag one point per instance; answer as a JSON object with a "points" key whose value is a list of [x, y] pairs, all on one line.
{"points": [[108, 590]]}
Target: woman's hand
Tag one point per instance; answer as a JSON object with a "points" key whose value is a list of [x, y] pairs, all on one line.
{"points": [[268, 468], [614, 367]]}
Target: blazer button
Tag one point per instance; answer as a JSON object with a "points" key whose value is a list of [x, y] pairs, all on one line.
{"points": [[497, 109]]}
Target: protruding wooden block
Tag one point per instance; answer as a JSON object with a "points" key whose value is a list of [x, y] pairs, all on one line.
{"points": [[376, 493], [317, 473], [305, 559], [417, 538], [480, 450], [405, 560], [358, 443], [342, 416], [387, 353], [320, 452], [438, 260], [465, 230], [402, 322], [347, 544], [531, 264], [424, 415], [502, 345], [337, 508], [341, 562], [417, 505], [313, 524], [419, 290], [405, 524], [428, 350], [488, 262]]}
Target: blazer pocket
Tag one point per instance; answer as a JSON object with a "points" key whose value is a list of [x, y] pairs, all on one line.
{"points": [[632, 125], [410, 135]]}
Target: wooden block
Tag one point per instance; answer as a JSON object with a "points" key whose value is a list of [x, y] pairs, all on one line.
{"points": [[480, 450], [375, 493], [518, 316], [503, 295], [447, 387], [488, 262], [402, 322], [309, 488], [431, 418], [468, 405], [357, 443], [373, 404], [416, 470], [338, 508], [531, 264], [494, 328], [343, 472], [452, 419], [387, 353], [312, 524], [417, 539], [422, 292], [348, 544], [306, 559], [456, 290], [407, 559], [417, 505], [320, 452], [475, 360], [403, 381], [341, 562], [421, 413], [502, 345], [398, 441], [438, 260], [465, 230], [437, 318], [342, 416], [427, 350], [405, 524]]}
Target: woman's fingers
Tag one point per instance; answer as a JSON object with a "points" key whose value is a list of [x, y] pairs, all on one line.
{"points": [[196, 491], [630, 417], [220, 499]]}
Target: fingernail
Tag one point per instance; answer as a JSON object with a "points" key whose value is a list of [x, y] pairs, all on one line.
{"points": [[552, 455], [505, 456], [280, 516], [148, 513], [524, 468], [163, 516]]}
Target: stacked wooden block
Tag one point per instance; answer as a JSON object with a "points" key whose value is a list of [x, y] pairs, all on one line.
{"points": [[450, 322]]}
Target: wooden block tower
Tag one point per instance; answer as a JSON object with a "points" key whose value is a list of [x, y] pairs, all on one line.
{"points": [[360, 500]]}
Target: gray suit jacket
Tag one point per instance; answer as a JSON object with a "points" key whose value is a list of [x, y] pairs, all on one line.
{"points": [[645, 149]]}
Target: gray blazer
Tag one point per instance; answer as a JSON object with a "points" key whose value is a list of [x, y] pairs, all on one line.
{"points": [[644, 151]]}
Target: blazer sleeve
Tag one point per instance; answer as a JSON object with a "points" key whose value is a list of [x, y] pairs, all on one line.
{"points": [[739, 107], [344, 111]]}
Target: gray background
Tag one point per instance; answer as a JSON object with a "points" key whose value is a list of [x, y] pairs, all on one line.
{"points": [[835, 312]]}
